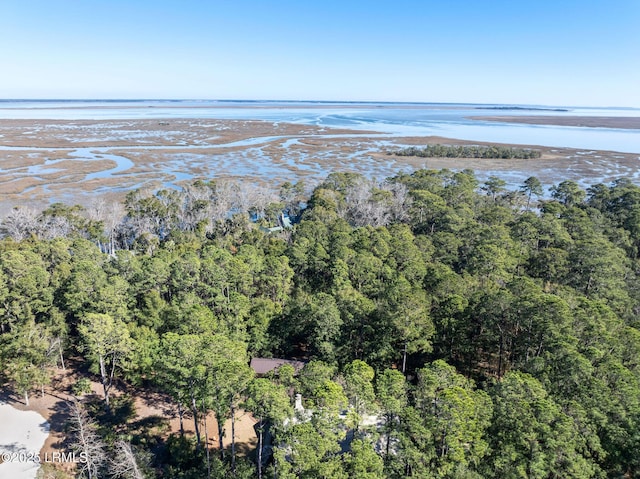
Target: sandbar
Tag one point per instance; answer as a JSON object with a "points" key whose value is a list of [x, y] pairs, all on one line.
{"points": [[618, 122]]}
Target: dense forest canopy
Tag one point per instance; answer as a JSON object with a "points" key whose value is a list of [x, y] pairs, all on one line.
{"points": [[489, 333]]}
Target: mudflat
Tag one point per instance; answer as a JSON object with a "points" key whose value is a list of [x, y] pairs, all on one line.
{"points": [[619, 122], [75, 161]]}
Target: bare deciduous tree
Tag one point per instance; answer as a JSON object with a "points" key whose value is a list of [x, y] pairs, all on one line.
{"points": [[369, 203], [20, 223], [196, 206], [223, 199], [366, 204], [88, 447], [128, 463], [400, 201], [111, 215]]}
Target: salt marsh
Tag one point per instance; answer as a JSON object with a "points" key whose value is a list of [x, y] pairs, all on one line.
{"points": [[62, 152]]}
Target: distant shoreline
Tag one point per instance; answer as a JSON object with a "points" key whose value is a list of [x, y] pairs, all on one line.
{"points": [[618, 122], [52, 104], [252, 106]]}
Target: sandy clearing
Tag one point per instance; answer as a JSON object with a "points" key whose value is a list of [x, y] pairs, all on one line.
{"points": [[154, 413]]}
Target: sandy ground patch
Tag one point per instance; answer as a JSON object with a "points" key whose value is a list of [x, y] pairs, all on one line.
{"points": [[160, 406], [41, 427]]}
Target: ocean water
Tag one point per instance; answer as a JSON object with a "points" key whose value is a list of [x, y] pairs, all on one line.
{"points": [[399, 119]]}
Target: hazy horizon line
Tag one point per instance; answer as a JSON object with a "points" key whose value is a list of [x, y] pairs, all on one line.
{"points": [[338, 102]]}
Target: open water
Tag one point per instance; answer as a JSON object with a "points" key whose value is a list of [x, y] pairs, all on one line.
{"points": [[402, 119]]}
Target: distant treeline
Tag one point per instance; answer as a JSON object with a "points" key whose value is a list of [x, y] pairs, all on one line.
{"points": [[459, 151]]}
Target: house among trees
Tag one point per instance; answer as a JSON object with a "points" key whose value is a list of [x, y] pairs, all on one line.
{"points": [[262, 366], [284, 222]]}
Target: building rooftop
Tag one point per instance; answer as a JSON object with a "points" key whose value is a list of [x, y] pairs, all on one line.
{"points": [[265, 365]]}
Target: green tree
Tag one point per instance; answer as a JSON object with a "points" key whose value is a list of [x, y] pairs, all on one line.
{"points": [[317, 319], [313, 444], [180, 371], [568, 193], [444, 433], [313, 451], [531, 187], [108, 343], [358, 377], [90, 290], [268, 402], [25, 289], [362, 462], [530, 434], [494, 186], [227, 376], [413, 327], [313, 375], [27, 354], [391, 390]]}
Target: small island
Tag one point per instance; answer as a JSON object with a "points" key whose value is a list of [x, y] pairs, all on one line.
{"points": [[468, 151]]}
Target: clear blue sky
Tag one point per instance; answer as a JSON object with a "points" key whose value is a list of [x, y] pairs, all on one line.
{"points": [[558, 52]]}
